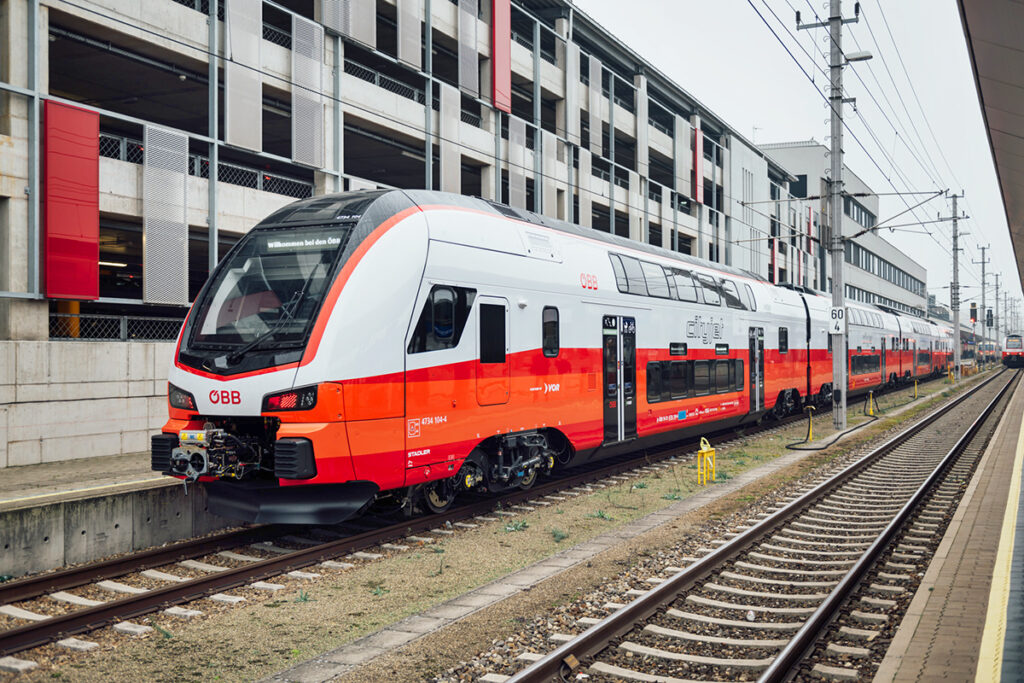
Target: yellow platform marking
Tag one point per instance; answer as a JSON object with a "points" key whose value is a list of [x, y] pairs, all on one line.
{"points": [[990, 656], [8, 501]]}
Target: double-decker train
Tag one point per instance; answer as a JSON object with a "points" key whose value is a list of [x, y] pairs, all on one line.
{"points": [[405, 346], [1013, 351]]}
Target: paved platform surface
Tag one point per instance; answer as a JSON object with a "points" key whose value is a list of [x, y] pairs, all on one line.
{"points": [[955, 626], [32, 485]]}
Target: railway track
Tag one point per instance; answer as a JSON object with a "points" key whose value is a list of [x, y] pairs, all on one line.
{"points": [[216, 565], [838, 561], [264, 554]]}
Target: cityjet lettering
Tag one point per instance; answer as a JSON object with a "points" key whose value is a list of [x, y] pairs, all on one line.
{"points": [[705, 330]]}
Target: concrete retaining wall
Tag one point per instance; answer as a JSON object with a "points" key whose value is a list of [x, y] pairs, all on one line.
{"points": [[34, 539], [64, 400]]}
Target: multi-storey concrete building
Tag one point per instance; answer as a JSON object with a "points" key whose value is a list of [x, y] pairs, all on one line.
{"points": [[139, 140], [877, 272]]}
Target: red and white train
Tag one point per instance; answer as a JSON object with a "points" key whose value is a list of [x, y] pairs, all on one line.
{"points": [[409, 345], [1013, 351]]}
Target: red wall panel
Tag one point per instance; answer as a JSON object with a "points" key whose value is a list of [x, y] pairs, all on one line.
{"points": [[71, 207], [501, 54], [698, 166]]}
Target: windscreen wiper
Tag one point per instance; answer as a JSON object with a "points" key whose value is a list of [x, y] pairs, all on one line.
{"points": [[287, 314]]}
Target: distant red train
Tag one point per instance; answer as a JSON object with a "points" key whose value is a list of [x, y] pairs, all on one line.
{"points": [[1013, 351], [409, 345]]}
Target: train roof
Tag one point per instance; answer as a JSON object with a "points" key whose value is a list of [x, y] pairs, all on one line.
{"points": [[346, 207], [349, 206]]}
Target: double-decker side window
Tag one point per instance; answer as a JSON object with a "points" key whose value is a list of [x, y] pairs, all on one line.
{"points": [[751, 301], [549, 331], [443, 319], [712, 295], [731, 294]]}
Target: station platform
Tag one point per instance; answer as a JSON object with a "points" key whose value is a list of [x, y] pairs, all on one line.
{"points": [[966, 621], [61, 513], [32, 485]]}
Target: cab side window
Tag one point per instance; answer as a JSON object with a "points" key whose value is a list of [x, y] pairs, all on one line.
{"points": [[443, 319]]}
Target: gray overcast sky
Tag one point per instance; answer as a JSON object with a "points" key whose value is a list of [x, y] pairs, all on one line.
{"points": [[724, 55]]}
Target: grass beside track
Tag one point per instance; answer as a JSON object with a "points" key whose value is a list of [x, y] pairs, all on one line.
{"points": [[273, 631]]}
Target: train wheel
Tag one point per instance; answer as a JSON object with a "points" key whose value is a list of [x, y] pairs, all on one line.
{"points": [[439, 495], [529, 479]]}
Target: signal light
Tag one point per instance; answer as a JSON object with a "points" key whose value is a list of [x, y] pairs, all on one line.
{"points": [[293, 399], [974, 313], [179, 398]]}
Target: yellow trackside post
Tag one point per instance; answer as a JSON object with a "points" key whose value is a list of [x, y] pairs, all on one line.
{"points": [[705, 463], [915, 388], [810, 422], [871, 404]]}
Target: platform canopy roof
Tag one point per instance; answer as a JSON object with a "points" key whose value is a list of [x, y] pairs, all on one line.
{"points": [[994, 30]]}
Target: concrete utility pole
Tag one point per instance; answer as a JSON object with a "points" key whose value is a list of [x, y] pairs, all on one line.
{"points": [[954, 297], [983, 261], [995, 313], [837, 60]]}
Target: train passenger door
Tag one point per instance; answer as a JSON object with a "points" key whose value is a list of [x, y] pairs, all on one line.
{"points": [[756, 369], [882, 361], [492, 374], [618, 343]]}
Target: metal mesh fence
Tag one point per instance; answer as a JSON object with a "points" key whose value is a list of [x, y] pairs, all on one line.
{"points": [[87, 327], [203, 6], [238, 175], [277, 35], [382, 81], [132, 151], [286, 186], [110, 147]]}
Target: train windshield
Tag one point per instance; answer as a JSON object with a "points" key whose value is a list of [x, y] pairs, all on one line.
{"points": [[269, 291], [1013, 342]]}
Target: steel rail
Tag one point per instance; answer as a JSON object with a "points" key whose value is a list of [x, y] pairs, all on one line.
{"points": [[41, 584], [53, 628], [804, 639], [34, 586], [598, 636]]}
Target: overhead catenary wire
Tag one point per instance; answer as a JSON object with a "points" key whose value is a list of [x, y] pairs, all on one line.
{"points": [[401, 125], [931, 172]]}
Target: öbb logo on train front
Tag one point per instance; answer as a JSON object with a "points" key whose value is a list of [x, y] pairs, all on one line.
{"points": [[588, 281], [225, 397]]}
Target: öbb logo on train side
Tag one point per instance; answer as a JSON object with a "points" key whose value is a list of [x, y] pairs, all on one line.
{"points": [[588, 281], [225, 397]]}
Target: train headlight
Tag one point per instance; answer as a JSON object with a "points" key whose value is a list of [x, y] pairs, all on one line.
{"points": [[293, 399], [179, 398]]}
